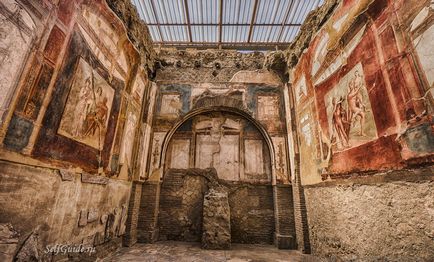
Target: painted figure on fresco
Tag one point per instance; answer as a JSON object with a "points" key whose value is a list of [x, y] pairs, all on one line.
{"points": [[85, 117], [349, 111], [355, 102], [91, 111], [96, 118], [340, 122], [82, 108]]}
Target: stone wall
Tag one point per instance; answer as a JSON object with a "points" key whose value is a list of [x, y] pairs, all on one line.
{"points": [[181, 205], [375, 221], [225, 109], [216, 220], [190, 80], [47, 208], [205, 66]]}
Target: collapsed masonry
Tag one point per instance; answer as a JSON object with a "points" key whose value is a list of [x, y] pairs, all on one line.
{"points": [[199, 210]]}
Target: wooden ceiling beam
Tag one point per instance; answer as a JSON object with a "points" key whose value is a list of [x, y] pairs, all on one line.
{"points": [[187, 16], [255, 9], [288, 11]]}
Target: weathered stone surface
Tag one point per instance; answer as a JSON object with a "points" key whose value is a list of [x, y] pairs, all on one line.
{"points": [[252, 214], [29, 251], [83, 218], [216, 220], [137, 31], [8, 235], [377, 222], [314, 21], [123, 218], [94, 179], [103, 219], [57, 204], [66, 175], [205, 65], [8, 242], [181, 204], [92, 215]]}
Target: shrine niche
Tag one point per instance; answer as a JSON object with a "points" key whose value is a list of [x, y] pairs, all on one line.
{"points": [[224, 141]]}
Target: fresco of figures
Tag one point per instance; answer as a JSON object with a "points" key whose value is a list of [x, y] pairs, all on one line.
{"points": [[87, 109], [349, 112]]}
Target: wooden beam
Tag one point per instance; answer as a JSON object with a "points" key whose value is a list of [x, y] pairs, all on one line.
{"points": [[156, 19], [255, 8], [288, 11], [228, 24], [226, 45], [187, 16], [220, 21]]}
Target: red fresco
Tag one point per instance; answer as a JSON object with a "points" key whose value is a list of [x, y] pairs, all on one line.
{"points": [[54, 44], [345, 7], [383, 65], [66, 11]]}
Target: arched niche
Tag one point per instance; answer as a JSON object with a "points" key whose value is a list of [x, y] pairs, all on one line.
{"points": [[225, 118]]}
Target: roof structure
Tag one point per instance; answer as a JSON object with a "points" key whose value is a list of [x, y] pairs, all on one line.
{"points": [[235, 24]]}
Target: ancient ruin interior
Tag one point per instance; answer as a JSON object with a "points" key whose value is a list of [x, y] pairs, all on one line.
{"points": [[315, 144]]}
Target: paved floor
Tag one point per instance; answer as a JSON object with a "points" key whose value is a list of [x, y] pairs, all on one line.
{"points": [[189, 252]]}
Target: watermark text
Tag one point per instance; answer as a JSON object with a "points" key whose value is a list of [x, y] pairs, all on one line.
{"points": [[69, 248]]}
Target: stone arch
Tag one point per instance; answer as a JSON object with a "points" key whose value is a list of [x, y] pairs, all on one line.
{"points": [[220, 108]]}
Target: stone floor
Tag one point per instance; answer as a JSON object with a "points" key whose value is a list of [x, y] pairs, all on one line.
{"points": [[191, 252]]}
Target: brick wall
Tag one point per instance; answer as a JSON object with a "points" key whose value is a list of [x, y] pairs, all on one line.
{"points": [[130, 237], [252, 214], [285, 233], [300, 213], [148, 212]]}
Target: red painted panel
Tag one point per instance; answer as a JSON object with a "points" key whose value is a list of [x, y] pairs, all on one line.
{"points": [[66, 11], [54, 44], [384, 153]]}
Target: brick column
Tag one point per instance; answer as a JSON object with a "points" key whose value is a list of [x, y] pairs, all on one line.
{"points": [[130, 237], [147, 230], [300, 212], [299, 202], [285, 228]]}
